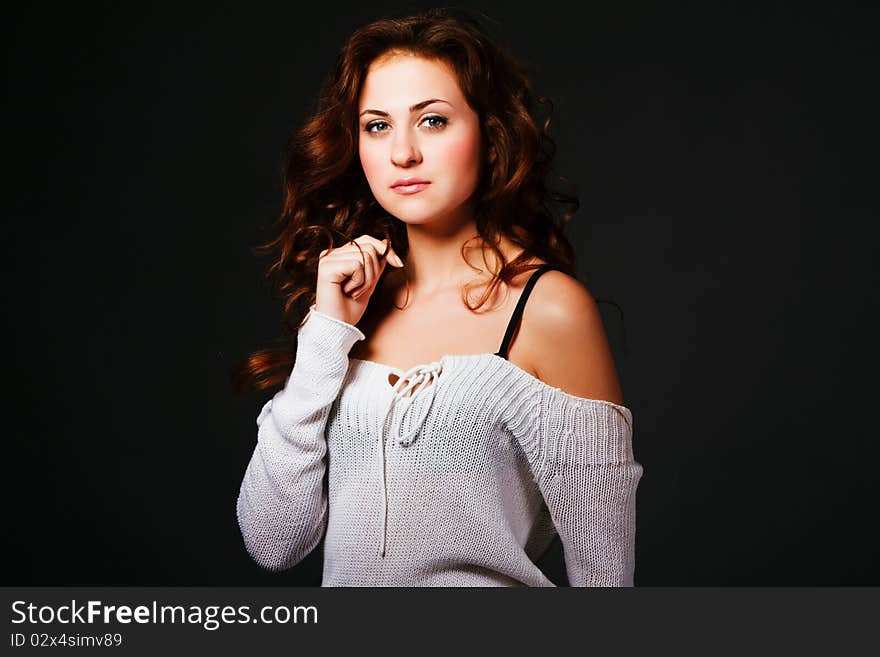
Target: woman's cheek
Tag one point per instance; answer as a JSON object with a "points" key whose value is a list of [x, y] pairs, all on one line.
{"points": [[464, 154], [370, 166]]}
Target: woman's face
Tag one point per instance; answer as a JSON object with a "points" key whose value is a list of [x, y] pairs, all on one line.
{"points": [[416, 127]]}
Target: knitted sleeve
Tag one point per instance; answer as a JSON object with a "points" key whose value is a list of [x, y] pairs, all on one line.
{"points": [[581, 454], [282, 504]]}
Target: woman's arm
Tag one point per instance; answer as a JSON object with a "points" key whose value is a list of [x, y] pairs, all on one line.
{"points": [[581, 450], [585, 469], [282, 504]]}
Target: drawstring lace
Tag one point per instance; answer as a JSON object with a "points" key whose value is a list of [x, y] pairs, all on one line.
{"points": [[422, 378]]}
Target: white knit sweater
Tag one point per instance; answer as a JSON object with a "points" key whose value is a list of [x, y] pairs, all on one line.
{"points": [[465, 484]]}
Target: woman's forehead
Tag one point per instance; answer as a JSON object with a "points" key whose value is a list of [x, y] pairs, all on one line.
{"points": [[398, 81]]}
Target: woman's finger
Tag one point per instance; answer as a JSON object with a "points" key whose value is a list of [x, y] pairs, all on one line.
{"points": [[356, 273], [372, 269]]}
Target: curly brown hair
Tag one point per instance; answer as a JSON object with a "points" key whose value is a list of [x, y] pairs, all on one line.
{"points": [[327, 202]]}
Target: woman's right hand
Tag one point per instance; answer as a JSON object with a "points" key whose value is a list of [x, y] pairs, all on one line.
{"points": [[347, 278]]}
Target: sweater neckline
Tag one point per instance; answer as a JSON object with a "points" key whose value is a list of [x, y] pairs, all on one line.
{"points": [[515, 368], [442, 359]]}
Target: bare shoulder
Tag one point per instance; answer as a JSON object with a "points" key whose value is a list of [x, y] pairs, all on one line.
{"points": [[565, 338]]}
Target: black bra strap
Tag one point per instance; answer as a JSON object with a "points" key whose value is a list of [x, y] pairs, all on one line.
{"points": [[518, 311]]}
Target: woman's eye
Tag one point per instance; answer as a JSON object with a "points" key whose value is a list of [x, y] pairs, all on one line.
{"points": [[431, 122], [376, 126], [435, 122]]}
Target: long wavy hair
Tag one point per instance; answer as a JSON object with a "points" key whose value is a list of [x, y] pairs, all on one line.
{"points": [[328, 203]]}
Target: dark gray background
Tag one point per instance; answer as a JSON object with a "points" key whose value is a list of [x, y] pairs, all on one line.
{"points": [[726, 165]]}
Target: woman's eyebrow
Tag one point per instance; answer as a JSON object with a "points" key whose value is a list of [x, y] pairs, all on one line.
{"points": [[414, 108]]}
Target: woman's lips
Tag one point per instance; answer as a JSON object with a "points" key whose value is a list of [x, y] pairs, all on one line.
{"points": [[413, 188]]}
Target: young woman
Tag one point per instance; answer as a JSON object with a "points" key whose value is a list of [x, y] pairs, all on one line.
{"points": [[413, 432]]}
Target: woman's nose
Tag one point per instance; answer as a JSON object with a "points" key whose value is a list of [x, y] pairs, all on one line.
{"points": [[404, 149]]}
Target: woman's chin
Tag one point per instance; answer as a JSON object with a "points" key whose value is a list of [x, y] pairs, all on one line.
{"points": [[415, 218], [425, 215]]}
